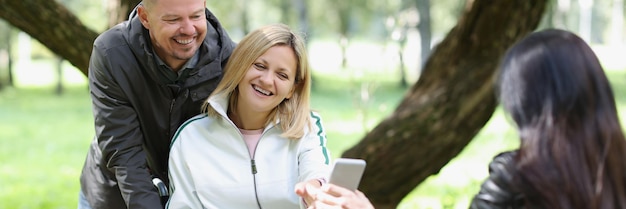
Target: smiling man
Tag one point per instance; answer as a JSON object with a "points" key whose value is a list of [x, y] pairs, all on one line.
{"points": [[147, 75]]}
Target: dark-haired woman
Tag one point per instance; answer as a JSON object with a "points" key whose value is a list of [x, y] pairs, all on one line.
{"points": [[572, 152]]}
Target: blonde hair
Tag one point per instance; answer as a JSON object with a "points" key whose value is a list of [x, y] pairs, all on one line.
{"points": [[293, 113]]}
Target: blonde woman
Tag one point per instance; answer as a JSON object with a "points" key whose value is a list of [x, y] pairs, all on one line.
{"points": [[257, 137]]}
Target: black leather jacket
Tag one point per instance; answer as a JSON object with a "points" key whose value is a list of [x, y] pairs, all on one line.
{"points": [[136, 114], [497, 191]]}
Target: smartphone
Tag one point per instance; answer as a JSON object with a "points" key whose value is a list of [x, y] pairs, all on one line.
{"points": [[347, 173]]}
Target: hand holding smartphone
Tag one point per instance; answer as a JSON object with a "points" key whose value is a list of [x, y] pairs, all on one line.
{"points": [[347, 173]]}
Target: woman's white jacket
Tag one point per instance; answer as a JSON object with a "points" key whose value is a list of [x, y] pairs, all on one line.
{"points": [[210, 167]]}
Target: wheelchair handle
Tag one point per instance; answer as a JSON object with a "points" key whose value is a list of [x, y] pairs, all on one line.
{"points": [[161, 187]]}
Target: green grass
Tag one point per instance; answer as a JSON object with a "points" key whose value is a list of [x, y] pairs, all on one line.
{"points": [[44, 137], [43, 142], [347, 116]]}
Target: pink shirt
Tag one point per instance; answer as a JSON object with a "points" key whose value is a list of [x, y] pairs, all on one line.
{"points": [[251, 137]]}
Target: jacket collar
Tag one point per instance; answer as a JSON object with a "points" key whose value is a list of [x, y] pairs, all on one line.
{"points": [[219, 102]]}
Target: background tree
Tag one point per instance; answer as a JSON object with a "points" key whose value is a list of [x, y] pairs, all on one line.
{"points": [[454, 92], [6, 35], [59, 68], [423, 8], [245, 22], [119, 10], [53, 25], [401, 20], [296, 14], [586, 12], [344, 15], [285, 8], [413, 14], [302, 11], [617, 13]]}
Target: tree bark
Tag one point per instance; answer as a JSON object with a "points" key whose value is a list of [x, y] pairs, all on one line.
{"points": [[450, 103], [54, 26]]}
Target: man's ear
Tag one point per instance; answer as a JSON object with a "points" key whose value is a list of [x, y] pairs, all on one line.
{"points": [[143, 16]]}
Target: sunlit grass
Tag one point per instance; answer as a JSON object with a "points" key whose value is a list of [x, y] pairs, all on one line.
{"points": [[43, 141], [347, 114]]}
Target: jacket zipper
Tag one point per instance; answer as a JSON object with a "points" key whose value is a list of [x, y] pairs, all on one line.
{"points": [[256, 194], [253, 167], [252, 162], [254, 170]]}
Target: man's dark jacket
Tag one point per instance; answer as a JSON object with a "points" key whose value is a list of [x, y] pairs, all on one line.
{"points": [[136, 112]]}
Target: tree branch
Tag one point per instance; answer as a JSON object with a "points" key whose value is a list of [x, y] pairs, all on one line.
{"points": [[54, 26]]}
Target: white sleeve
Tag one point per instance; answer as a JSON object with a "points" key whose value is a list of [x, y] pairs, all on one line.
{"points": [[313, 157], [182, 190]]}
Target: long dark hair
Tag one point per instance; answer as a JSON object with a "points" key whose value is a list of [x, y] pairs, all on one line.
{"points": [[572, 151]]}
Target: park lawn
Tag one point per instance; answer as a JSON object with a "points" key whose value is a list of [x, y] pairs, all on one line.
{"points": [[43, 142]]}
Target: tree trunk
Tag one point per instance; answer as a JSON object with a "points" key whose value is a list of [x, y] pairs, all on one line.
{"points": [[303, 18], [403, 77], [423, 7], [59, 88], [245, 23], [617, 24], [561, 19], [343, 12], [402, 43], [584, 23], [284, 10], [119, 10], [450, 103], [10, 56], [54, 26], [5, 46], [302, 13]]}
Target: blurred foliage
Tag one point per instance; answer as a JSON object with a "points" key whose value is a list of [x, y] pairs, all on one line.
{"points": [[362, 19], [91, 12], [5, 31], [366, 17]]}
